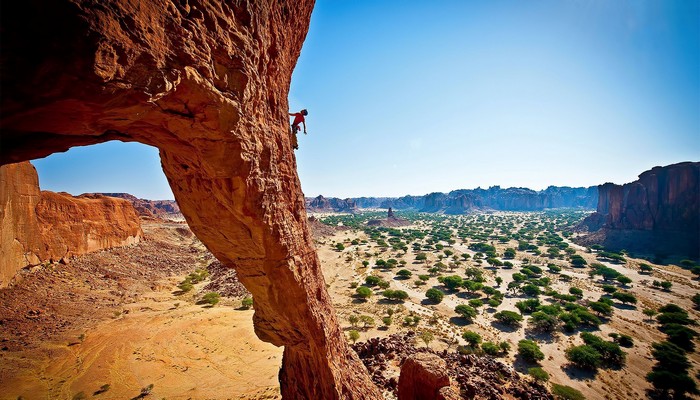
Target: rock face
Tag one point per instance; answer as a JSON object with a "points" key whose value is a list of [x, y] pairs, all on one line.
{"points": [[162, 209], [207, 84], [333, 204], [46, 226], [423, 376], [660, 209]]}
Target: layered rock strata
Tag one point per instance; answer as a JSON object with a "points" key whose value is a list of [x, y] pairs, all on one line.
{"points": [[163, 209], [41, 226], [207, 84], [659, 212]]}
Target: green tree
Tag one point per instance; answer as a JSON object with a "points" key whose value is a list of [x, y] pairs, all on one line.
{"points": [[404, 274], [538, 374], [452, 282], [466, 312], [530, 351], [509, 318], [499, 280], [543, 322], [364, 292], [354, 335], [372, 280], [585, 357], [625, 297], [472, 338], [435, 295], [354, 319]]}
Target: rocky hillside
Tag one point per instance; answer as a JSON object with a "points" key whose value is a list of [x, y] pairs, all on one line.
{"points": [[41, 226], [163, 209], [659, 212], [466, 200]]}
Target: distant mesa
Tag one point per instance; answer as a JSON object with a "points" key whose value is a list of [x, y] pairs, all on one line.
{"points": [[391, 221], [464, 201], [659, 213], [161, 209], [42, 226], [323, 204]]}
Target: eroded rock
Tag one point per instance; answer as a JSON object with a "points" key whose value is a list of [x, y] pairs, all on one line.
{"points": [[207, 84], [42, 226]]}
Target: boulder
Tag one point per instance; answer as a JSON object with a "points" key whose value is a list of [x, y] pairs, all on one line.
{"points": [[423, 376]]}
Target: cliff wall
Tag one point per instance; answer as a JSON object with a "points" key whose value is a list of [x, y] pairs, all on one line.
{"points": [[659, 212], [40, 226], [466, 200]]}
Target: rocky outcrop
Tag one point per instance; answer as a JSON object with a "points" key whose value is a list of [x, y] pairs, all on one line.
{"points": [[332, 204], [391, 221], [473, 376], [659, 212], [424, 377], [20, 242], [206, 83], [163, 209], [41, 226]]}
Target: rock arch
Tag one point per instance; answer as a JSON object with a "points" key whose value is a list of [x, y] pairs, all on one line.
{"points": [[206, 83]]}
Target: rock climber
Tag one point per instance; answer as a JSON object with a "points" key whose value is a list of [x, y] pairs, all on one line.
{"points": [[298, 118]]}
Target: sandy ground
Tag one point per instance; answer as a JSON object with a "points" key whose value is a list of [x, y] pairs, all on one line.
{"points": [[160, 338]]}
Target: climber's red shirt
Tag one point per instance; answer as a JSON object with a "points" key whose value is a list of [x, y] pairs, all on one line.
{"points": [[298, 118]]}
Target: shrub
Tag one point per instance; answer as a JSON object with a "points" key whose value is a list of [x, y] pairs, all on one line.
{"points": [[543, 322], [530, 351], [404, 274], [452, 282], [364, 292], [609, 288], [576, 291], [527, 306], [538, 373], [625, 297], [386, 321], [490, 348], [466, 312], [472, 338], [435, 295], [566, 392], [354, 335], [585, 357], [367, 321], [426, 337], [372, 280], [247, 303], [510, 318], [600, 307], [623, 280], [211, 298], [395, 294], [680, 335]]}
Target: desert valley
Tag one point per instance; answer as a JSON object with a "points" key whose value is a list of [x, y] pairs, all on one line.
{"points": [[577, 277], [162, 317]]}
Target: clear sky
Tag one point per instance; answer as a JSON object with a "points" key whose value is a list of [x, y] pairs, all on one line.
{"points": [[412, 97]]}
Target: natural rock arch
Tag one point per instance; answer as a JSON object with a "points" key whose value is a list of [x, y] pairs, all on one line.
{"points": [[206, 83]]}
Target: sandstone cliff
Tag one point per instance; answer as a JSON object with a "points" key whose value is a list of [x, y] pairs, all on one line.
{"points": [[40, 226], [466, 200], [163, 209], [206, 83], [659, 212], [333, 204]]}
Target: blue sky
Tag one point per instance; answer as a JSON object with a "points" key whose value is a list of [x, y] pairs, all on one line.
{"points": [[412, 97]]}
